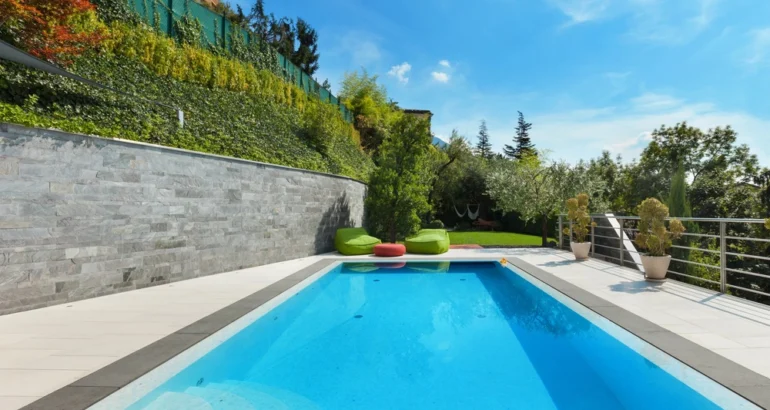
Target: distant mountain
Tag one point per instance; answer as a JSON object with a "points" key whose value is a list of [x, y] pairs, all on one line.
{"points": [[439, 142]]}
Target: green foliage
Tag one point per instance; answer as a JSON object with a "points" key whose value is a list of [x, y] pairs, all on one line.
{"points": [[115, 10], [435, 224], [653, 235], [767, 223], [523, 144], [217, 121], [483, 145], [613, 174], [445, 168], [368, 101], [306, 57], [537, 189], [397, 193], [577, 213], [679, 206], [189, 30]]}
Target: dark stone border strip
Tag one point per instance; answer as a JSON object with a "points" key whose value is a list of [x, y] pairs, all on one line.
{"points": [[746, 383], [96, 386]]}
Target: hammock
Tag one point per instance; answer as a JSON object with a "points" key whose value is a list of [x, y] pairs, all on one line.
{"points": [[458, 212], [473, 215]]}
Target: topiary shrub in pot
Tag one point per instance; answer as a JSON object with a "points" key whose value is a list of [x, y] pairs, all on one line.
{"points": [[655, 238], [577, 212]]}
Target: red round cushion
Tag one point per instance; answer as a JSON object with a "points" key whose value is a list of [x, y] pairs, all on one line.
{"points": [[389, 249]]}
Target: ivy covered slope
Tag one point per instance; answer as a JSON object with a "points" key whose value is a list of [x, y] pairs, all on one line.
{"points": [[231, 107]]}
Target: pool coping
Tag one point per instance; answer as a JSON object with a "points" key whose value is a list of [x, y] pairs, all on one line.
{"points": [[96, 386], [744, 382]]}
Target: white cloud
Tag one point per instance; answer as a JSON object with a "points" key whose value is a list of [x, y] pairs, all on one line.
{"points": [[572, 136], [583, 134], [444, 63], [440, 76], [660, 21], [361, 47], [653, 102], [400, 71], [582, 11], [617, 82], [758, 49], [673, 23]]}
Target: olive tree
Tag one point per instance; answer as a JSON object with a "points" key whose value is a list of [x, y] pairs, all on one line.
{"points": [[537, 188]]}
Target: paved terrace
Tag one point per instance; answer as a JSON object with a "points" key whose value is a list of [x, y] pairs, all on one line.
{"points": [[44, 350]]}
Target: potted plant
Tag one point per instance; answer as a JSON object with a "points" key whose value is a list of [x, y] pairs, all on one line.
{"points": [[655, 238], [577, 212]]}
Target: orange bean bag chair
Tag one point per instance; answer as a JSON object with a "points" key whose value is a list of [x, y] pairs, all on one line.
{"points": [[389, 249]]}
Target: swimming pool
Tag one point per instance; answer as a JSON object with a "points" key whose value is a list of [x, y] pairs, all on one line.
{"points": [[425, 335]]}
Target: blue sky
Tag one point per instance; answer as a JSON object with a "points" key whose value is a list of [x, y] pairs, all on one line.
{"points": [[589, 74]]}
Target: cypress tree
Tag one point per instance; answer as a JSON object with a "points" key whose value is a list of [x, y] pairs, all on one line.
{"points": [[679, 206]]}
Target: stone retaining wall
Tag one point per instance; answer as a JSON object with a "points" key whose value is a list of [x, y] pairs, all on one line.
{"points": [[84, 216]]}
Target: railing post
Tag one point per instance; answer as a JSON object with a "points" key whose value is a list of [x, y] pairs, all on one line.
{"points": [[622, 242], [723, 257], [593, 238], [561, 232]]}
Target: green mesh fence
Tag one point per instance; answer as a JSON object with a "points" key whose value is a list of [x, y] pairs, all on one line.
{"points": [[162, 14]]}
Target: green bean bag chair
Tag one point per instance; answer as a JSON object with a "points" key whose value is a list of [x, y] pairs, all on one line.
{"points": [[429, 242], [354, 241]]}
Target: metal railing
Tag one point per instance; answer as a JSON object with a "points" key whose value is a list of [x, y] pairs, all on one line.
{"points": [[613, 242]]}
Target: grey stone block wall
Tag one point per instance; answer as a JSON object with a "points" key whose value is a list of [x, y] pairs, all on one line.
{"points": [[84, 216]]}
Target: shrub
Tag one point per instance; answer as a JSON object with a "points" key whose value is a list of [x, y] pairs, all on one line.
{"points": [[653, 235], [463, 226], [54, 30], [232, 107], [217, 121], [435, 224], [577, 212]]}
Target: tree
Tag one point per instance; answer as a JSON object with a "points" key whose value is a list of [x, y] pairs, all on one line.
{"points": [[306, 56], [679, 207], [398, 193], [523, 143], [537, 189], [282, 35], [368, 101], [240, 17], [259, 20], [326, 85], [54, 30], [442, 162], [706, 155], [612, 172], [483, 146]]}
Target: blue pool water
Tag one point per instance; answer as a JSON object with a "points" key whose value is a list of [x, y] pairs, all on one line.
{"points": [[423, 336]]}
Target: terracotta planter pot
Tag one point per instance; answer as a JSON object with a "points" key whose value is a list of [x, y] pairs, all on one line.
{"points": [[655, 267], [580, 249]]}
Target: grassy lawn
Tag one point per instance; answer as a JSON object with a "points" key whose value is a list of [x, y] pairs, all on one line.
{"points": [[493, 238]]}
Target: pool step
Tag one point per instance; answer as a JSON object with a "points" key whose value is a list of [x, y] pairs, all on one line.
{"points": [[267, 397], [221, 399], [180, 401]]}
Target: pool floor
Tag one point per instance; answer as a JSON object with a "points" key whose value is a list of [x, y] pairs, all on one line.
{"points": [[423, 336]]}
